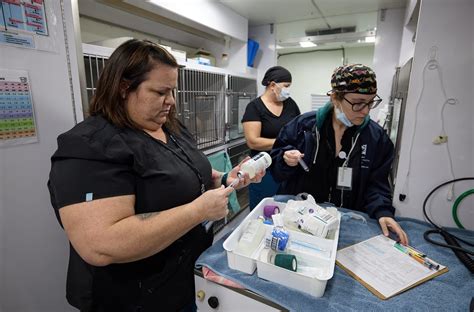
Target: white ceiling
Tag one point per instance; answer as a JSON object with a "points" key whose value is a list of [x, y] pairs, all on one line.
{"points": [[292, 18], [261, 12]]}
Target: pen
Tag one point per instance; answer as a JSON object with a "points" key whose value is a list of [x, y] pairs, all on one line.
{"points": [[415, 256], [427, 263], [406, 248], [416, 251]]}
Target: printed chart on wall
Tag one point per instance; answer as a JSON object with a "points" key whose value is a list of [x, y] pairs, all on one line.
{"points": [[17, 118], [23, 24]]}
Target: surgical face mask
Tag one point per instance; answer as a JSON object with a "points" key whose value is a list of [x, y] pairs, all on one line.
{"points": [[343, 118], [284, 94]]}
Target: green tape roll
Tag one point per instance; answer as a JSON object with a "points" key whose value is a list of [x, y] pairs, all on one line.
{"points": [[286, 261]]}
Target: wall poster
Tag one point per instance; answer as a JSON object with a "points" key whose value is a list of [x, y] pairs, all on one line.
{"points": [[24, 23], [17, 118]]}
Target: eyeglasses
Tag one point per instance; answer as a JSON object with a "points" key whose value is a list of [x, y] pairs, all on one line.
{"points": [[357, 107]]}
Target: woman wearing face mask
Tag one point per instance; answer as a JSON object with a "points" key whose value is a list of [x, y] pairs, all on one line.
{"points": [[349, 156], [263, 119]]}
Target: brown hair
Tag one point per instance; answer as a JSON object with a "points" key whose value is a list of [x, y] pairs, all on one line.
{"points": [[126, 69], [339, 95]]}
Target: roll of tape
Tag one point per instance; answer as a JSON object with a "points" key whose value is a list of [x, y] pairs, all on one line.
{"points": [[267, 255], [286, 261], [270, 210]]}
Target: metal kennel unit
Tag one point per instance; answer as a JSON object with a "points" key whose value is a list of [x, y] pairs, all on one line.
{"points": [[93, 65], [200, 105], [240, 92]]}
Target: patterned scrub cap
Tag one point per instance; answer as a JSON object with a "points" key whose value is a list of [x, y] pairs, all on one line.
{"points": [[354, 78]]}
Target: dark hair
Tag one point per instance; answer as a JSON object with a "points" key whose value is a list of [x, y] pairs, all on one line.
{"points": [[276, 74], [126, 69], [339, 95]]}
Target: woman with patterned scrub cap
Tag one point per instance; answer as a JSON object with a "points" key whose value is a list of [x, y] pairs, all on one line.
{"points": [[349, 156]]}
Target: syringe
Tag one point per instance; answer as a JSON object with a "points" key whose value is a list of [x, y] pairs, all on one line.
{"points": [[303, 164], [236, 181]]}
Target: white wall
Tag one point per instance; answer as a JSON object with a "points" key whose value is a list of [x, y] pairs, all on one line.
{"points": [[387, 52], [237, 56], [362, 55], [33, 247], [312, 71], [448, 26], [407, 48], [200, 15], [93, 30], [266, 56], [472, 106], [135, 26]]}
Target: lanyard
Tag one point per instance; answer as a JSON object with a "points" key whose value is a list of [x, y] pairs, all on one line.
{"points": [[186, 160], [354, 141]]}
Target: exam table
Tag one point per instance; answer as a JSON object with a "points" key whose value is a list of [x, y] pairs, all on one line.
{"points": [[451, 291]]}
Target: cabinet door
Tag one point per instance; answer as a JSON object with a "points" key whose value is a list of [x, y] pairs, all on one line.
{"points": [[214, 297]]}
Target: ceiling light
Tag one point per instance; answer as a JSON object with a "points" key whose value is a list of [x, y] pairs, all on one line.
{"points": [[370, 39], [307, 44], [328, 39]]}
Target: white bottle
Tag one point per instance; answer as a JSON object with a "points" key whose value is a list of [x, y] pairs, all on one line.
{"points": [[251, 238], [256, 164]]}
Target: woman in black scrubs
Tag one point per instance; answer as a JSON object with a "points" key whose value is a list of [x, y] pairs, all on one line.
{"points": [[132, 191], [262, 121]]}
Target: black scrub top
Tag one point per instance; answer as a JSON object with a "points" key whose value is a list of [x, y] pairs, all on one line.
{"points": [[271, 124], [321, 182], [97, 160]]}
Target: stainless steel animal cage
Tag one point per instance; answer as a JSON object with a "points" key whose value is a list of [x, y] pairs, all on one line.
{"points": [[200, 105], [240, 92], [93, 65]]}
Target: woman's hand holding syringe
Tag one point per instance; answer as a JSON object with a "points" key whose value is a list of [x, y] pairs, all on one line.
{"points": [[238, 179], [295, 157]]}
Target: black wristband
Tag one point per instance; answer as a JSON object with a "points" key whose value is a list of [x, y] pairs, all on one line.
{"points": [[224, 179]]}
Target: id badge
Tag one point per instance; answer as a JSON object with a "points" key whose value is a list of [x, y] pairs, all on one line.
{"points": [[344, 178]]}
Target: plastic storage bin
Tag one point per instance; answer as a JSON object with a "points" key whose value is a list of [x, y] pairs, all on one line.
{"points": [[323, 265], [240, 262], [252, 49]]}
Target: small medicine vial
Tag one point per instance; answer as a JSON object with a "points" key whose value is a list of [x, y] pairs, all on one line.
{"points": [[258, 163]]}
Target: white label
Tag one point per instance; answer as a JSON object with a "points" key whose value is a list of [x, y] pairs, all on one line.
{"points": [[344, 177]]}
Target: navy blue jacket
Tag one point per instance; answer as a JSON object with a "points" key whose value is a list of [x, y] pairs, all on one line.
{"points": [[370, 161]]}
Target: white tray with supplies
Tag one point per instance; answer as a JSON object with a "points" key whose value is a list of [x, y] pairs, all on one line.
{"points": [[314, 269]]}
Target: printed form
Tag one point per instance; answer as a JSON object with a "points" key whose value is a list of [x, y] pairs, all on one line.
{"points": [[383, 267]]}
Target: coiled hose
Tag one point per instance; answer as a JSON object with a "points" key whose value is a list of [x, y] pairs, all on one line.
{"points": [[451, 240]]}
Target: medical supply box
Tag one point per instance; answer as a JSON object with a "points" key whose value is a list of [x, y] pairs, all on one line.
{"points": [[315, 256]]}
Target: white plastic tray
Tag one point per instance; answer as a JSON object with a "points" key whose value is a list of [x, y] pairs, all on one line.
{"points": [[235, 260], [314, 285]]}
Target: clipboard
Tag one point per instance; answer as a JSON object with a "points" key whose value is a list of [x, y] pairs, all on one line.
{"points": [[367, 263]]}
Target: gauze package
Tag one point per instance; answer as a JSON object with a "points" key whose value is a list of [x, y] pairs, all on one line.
{"points": [[309, 217]]}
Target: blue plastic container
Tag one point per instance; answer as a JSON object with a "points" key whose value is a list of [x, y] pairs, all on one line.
{"points": [[252, 48]]}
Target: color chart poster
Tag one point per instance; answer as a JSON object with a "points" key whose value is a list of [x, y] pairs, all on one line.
{"points": [[21, 21], [17, 118], [24, 15]]}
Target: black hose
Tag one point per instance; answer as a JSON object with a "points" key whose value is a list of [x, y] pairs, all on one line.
{"points": [[462, 256], [451, 240]]}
